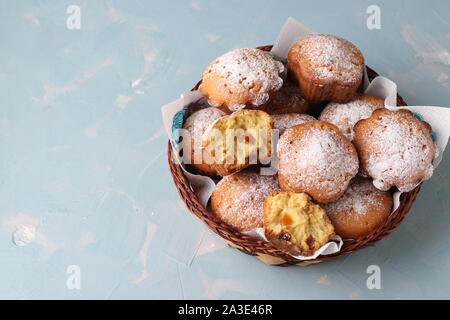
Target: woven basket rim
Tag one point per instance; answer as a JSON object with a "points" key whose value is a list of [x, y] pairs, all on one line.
{"points": [[257, 247]]}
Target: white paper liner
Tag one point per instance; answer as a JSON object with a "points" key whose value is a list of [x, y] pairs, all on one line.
{"points": [[203, 186], [332, 246], [437, 117]]}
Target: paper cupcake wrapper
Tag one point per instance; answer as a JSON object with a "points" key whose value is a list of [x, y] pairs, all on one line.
{"points": [[175, 113]]}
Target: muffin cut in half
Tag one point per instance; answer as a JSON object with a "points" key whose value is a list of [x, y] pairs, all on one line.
{"points": [[239, 140], [294, 224]]}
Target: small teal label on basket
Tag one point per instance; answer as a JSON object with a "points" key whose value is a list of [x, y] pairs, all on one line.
{"points": [[177, 123], [433, 136], [421, 118], [418, 116]]}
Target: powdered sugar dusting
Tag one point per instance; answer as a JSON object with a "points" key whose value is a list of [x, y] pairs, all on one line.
{"points": [[288, 120], [360, 195], [246, 209], [345, 116], [247, 71], [318, 159], [332, 58], [402, 153], [288, 99], [200, 121]]}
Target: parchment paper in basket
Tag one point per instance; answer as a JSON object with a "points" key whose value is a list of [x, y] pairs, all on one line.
{"points": [[203, 186], [437, 117], [380, 86], [332, 246]]}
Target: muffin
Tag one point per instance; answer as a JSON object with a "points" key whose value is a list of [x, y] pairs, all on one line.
{"points": [[288, 120], [318, 159], [242, 77], [196, 125], [326, 67], [294, 224], [346, 115], [361, 210], [288, 100], [395, 149], [239, 140], [238, 199]]}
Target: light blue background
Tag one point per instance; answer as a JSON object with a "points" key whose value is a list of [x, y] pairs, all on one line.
{"points": [[83, 151]]}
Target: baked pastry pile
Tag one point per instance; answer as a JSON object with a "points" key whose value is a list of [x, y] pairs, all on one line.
{"points": [[340, 153]]}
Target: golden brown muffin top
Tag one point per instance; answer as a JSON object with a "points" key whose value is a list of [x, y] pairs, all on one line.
{"points": [[360, 209], [239, 198], [282, 122], [287, 100], [327, 58], [396, 149], [346, 115], [242, 77], [316, 158], [198, 122]]}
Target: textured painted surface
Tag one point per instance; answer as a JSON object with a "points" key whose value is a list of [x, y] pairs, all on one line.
{"points": [[83, 153]]}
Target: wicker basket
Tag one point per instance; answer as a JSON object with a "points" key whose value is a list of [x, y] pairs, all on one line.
{"points": [[265, 251]]}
